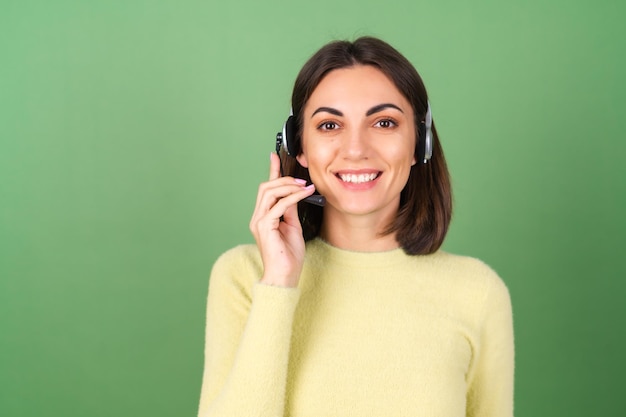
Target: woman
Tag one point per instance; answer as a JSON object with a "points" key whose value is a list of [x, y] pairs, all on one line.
{"points": [[351, 309]]}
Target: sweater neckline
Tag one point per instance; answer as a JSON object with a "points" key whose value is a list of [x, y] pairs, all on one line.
{"points": [[357, 258]]}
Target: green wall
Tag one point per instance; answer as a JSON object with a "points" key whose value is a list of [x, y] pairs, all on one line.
{"points": [[133, 135]]}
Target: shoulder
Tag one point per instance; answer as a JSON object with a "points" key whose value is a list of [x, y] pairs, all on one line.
{"points": [[470, 276], [464, 265], [239, 267], [238, 256]]}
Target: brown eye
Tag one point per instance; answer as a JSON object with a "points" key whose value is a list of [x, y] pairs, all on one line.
{"points": [[328, 126], [386, 123]]}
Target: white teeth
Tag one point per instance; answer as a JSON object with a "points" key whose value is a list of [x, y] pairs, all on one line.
{"points": [[357, 179]]}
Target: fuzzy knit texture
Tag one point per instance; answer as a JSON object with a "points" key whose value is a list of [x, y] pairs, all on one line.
{"points": [[364, 334]]}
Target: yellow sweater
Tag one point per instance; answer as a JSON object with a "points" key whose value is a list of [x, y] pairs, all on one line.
{"points": [[364, 334]]}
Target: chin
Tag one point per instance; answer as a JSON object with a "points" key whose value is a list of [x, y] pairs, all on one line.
{"points": [[361, 207]]}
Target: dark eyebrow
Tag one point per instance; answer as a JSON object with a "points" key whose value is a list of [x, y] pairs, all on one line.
{"points": [[382, 107], [375, 109], [328, 110]]}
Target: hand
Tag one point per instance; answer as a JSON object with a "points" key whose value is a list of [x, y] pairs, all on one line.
{"points": [[280, 241]]}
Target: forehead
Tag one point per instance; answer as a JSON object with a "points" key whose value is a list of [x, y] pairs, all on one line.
{"points": [[358, 87]]}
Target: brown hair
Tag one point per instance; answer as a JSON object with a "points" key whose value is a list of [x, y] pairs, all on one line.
{"points": [[426, 201]]}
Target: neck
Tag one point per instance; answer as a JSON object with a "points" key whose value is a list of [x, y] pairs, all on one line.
{"points": [[357, 233]]}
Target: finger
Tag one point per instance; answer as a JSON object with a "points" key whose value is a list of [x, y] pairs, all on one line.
{"points": [[269, 192], [281, 206], [291, 215], [273, 206], [273, 191], [274, 166]]}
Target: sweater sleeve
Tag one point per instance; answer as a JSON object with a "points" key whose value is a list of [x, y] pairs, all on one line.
{"points": [[248, 334], [490, 389]]}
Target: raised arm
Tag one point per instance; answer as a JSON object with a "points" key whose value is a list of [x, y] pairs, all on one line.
{"points": [[252, 298]]}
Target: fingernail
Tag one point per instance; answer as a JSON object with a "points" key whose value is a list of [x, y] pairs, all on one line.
{"points": [[300, 181], [310, 186]]}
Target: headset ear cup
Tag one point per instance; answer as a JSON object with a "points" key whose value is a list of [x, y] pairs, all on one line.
{"points": [[428, 145], [425, 139], [290, 141]]}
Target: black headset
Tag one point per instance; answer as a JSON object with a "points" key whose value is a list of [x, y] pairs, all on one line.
{"points": [[287, 138]]}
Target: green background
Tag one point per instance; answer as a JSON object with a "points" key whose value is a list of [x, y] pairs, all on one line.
{"points": [[133, 136]]}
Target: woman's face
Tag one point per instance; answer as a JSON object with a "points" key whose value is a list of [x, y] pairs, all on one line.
{"points": [[358, 141]]}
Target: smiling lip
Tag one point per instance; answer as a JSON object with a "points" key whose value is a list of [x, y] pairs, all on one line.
{"points": [[360, 179]]}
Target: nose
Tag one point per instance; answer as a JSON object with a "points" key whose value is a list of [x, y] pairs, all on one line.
{"points": [[355, 144]]}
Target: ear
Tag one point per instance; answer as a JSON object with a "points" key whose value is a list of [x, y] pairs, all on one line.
{"points": [[414, 161], [301, 158]]}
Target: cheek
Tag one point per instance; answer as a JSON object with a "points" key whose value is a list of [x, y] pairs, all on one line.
{"points": [[319, 161], [317, 156], [401, 151], [316, 164], [404, 155]]}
